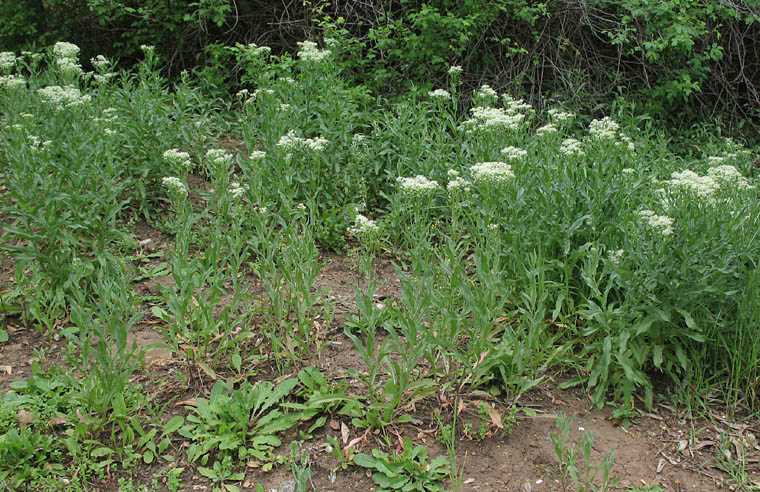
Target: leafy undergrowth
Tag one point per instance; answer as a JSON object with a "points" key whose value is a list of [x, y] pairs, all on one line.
{"points": [[523, 245]]}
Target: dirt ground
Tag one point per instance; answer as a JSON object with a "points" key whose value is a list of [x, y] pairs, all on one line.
{"points": [[658, 447]]}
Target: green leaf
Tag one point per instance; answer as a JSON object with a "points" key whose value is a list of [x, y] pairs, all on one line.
{"points": [[173, 425], [207, 472], [160, 314], [4, 336], [657, 356], [365, 460], [100, 452], [237, 361]]}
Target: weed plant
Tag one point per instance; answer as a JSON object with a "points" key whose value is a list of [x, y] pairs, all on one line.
{"points": [[523, 241]]}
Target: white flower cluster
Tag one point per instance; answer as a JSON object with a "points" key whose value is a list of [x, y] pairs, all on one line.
{"points": [[514, 153], [12, 82], [62, 49], [487, 119], [516, 105], [110, 114], [485, 96], [439, 95], [626, 140], [571, 147], [36, 144], [706, 186], [67, 58], [360, 145], [219, 158], [728, 175], [715, 160], [604, 128], [491, 172], [102, 64], [457, 183], [63, 97], [660, 223], [290, 142], [257, 155], [237, 190], [262, 92], [608, 129], [178, 159], [418, 185], [702, 186], [363, 226], [455, 71], [256, 51], [174, 185], [558, 116], [309, 51], [615, 256], [547, 129], [7, 61]]}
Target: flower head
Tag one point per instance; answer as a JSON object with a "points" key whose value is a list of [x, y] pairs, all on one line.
{"points": [[174, 185], [309, 51], [439, 95], [514, 153], [659, 223], [363, 226], [491, 119], [486, 96], [571, 147], [418, 185], [101, 63], [237, 190], [257, 155], [7, 61], [491, 172], [219, 158], [547, 129], [560, 117], [455, 71], [63, 96], [606, 128], [62, 49], [179, 159], [12, 82]]}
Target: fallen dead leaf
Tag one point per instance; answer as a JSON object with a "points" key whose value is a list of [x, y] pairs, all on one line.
{"points": [[192, 402], [24, 418], [496, 418], [344, 432]]}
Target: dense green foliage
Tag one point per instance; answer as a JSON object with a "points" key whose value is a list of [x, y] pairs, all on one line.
{"points": [[686, 58]]}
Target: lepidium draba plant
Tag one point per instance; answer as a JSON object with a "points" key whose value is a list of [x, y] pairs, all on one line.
{"points": [[295, 309]]}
